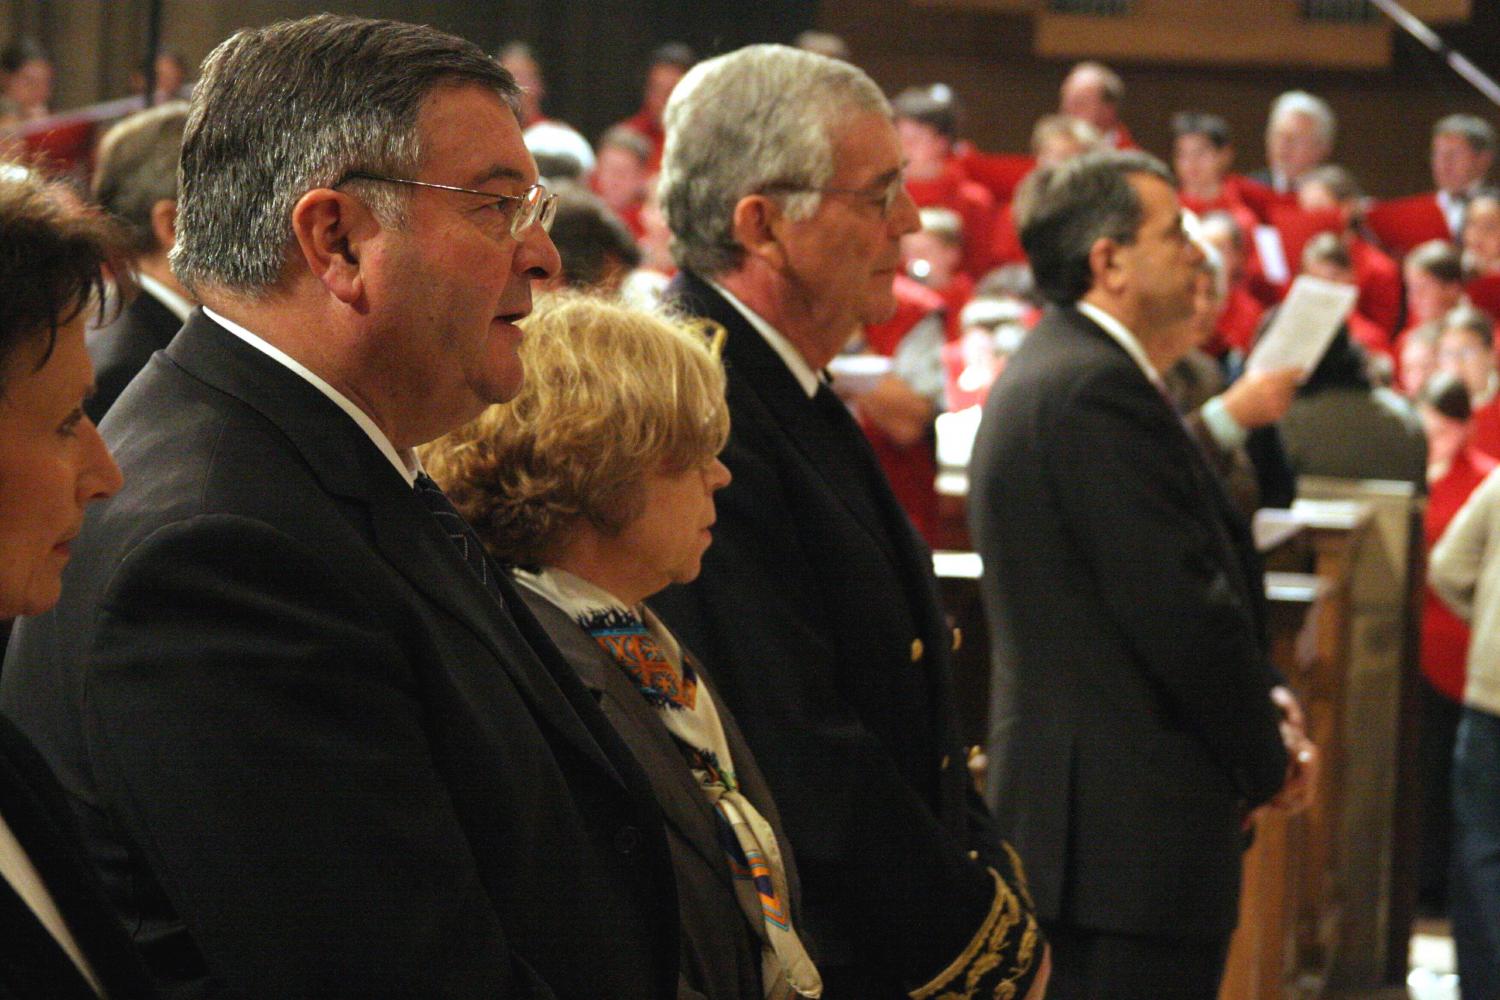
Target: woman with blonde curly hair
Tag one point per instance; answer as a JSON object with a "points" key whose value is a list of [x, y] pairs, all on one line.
{"points": [[596, 483]]}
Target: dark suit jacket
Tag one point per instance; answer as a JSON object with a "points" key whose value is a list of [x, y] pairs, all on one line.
{"points": [[721, 949], [1263, 177], [32, 964], [1131, 724], [121, 349], [817, 608], [310, 752]]}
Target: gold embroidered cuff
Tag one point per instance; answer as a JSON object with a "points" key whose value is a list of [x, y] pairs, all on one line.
{"points": [[1000, 961]]}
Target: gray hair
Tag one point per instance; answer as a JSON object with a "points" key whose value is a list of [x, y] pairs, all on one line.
{"points": [[1302, 103], [759, 118], [1340, 183], [1108, 80], [138, 168], [1063, 210], [284, 109], [1478, 133], [1053, 126]]}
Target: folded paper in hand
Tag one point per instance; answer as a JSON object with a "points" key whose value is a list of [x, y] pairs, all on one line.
{"points": [[1304, 325]]}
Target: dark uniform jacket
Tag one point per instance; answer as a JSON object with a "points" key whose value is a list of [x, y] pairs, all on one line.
{"points": [[817, 610]]}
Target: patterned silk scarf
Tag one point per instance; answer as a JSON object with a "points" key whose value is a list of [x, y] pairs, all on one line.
{"points": [[650, 656]]}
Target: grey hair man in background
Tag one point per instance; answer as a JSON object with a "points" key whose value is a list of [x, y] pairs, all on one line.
{"points": [[1463, 150], [816, 607], [315, 742], [1092, 92], [1134, 715], [1300, 132], [136, 182]]}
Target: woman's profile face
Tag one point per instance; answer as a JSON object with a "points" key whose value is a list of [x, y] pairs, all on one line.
{"points": [[53, 464], [666, 542]]}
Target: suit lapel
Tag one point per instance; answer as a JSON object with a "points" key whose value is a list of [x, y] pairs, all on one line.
{"points": [[42, 963], [844, 464], [683, 803], [32, 963], [413, 542], [349, 465], [1224, 519]]}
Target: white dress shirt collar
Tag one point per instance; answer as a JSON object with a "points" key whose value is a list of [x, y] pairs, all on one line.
{"points": [[795, 362], [176, 304], [1124, 338], [1454, 205], [405, 463]]}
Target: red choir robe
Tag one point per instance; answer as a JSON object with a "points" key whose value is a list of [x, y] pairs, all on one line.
{"points": [[911, 469], [972, 202], [1445, 636]]}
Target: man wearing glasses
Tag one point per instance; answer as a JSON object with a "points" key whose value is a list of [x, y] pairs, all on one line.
{"points": [[816, 607], [317, 746]]}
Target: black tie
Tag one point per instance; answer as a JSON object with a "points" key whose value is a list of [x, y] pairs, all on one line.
{"points": [[458, 531]]}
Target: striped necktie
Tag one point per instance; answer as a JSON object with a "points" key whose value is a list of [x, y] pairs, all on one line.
{"points": [[459, 532]]}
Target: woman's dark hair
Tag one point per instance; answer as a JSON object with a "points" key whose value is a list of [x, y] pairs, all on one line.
{"points": [[1446, 393], [54, 261], [20, 52], [1344, 365]]}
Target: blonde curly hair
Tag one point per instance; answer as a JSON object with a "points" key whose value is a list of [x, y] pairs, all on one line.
{"points": [[611, 395]]}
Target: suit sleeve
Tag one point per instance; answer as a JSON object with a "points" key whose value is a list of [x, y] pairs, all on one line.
{"points": [[262, 735], [877, 867], [1164, 565]]}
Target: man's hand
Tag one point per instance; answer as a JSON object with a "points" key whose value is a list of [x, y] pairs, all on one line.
{"points": [[897, 409], [1303, 763], [1261, 398]]}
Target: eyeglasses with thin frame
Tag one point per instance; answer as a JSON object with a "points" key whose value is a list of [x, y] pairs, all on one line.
{"points": [[883, 198], [520, 212]]}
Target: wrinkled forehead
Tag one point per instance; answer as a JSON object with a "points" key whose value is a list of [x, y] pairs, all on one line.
{"points": [[470, 134], [866, 146], [1298, 124]]}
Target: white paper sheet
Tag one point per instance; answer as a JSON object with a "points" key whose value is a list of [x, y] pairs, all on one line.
{"points": [[1304, 326], [1272, 254], [856, 374]]}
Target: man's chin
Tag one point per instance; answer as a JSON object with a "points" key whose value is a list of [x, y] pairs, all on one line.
{"points": [[878, 309]]}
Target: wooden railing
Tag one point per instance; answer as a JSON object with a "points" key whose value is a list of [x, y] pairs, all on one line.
{"points": [[1220, 32]]}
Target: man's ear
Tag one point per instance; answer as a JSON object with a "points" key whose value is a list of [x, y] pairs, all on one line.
{"points": [[164, 223], [1103, 265], [331, 229], [756, 220]]}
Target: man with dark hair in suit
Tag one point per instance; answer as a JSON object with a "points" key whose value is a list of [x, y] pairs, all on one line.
{"points": [[136, 182], [317, 745], [1134, 718], [816, 607]]}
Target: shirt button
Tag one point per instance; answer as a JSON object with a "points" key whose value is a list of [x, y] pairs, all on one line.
{"points": [[916, 650], [627, 839]]}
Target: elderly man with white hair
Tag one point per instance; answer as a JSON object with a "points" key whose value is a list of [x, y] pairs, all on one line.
{"points": [[1092, 93], [782, 184], [1300, 132]]}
